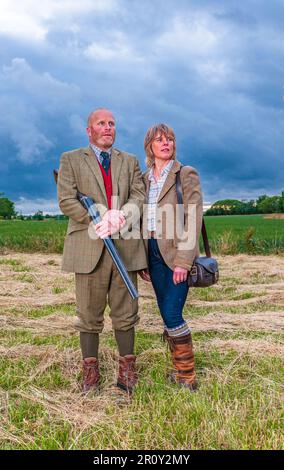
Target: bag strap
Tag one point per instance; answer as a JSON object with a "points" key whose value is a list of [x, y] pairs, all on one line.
{"points": [[203, 228]]}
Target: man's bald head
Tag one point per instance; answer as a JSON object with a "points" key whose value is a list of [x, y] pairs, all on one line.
{"points": [[101, 128], [94, 113]]}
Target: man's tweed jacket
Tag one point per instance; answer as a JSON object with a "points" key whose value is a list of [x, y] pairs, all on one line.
{"points": [[79, 170]]}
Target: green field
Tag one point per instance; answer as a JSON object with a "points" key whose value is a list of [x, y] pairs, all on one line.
{"points": [[227, 234], [253, 234], [45, 236]]}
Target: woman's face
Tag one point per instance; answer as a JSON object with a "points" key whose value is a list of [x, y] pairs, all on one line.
{"points": [[163, 147]]}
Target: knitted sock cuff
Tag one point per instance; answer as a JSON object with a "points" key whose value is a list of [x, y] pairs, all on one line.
{"points": [[180, 330]]}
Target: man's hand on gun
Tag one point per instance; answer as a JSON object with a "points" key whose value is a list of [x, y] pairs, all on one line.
{"points": [[112, 221]]}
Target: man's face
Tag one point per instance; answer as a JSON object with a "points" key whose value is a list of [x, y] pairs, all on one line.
{"points": [[101, 130]]}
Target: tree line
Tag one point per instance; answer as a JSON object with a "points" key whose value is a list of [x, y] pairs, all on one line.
{"points": [[7, 212], [263, 205]]}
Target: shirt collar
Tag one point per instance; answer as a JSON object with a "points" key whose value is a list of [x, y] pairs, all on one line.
{"points": [[165, 170], [98, 151]]}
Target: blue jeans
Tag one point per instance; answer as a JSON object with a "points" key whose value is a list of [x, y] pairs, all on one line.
{"points": [[170, 297]]}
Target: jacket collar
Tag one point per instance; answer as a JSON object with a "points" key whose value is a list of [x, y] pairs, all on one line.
{"points": [[170, 180]]}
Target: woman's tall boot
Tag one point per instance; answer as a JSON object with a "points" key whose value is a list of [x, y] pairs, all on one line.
{"points": [[181, 349]]}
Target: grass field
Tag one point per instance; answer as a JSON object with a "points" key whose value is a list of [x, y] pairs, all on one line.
{"points": [[45, 236], [227, 234], [253, 234], [238, 338]]}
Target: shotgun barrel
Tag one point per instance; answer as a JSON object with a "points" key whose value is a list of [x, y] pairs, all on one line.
{"points": [[93, 212]]}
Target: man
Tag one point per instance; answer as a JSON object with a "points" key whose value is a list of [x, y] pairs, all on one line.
{"points": [[114, 180]]}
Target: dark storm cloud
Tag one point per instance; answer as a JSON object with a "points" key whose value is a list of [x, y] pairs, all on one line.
{"points": [[211, 69]]}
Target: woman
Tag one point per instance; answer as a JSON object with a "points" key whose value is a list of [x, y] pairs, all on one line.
{"points": [[171, 252]]}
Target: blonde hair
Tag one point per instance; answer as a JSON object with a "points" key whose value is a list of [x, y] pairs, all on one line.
{"points": [[161, 129]]}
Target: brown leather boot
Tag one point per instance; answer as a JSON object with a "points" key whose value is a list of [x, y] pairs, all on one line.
{"points": [[127, 375], [91, 374], [183, 360]]}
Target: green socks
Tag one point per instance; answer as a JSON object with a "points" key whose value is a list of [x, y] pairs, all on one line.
{"points": [[89, 344], [125, 341]]}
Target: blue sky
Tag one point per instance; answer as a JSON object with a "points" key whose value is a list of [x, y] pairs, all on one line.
{"points": [[213, 70]]}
